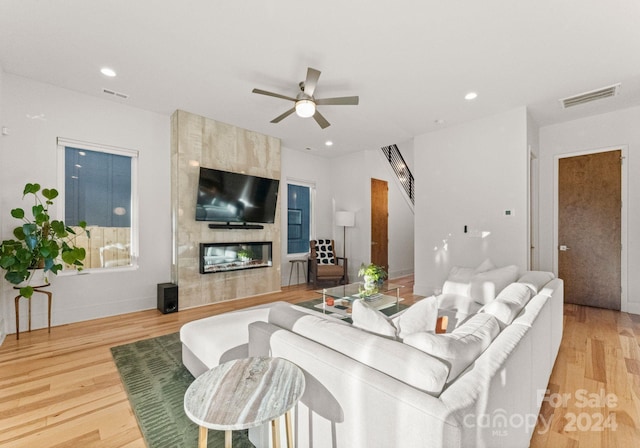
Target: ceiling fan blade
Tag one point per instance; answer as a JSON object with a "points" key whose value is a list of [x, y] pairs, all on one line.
{"points": [[312, 81], [321, 120], [281, 117], [277, 95], [344, 100]]}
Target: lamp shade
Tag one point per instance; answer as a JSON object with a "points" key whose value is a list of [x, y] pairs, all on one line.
{"points": [[345, 219]]}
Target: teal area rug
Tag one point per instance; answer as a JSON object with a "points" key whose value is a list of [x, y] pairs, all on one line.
{"points": [[156, 381]]}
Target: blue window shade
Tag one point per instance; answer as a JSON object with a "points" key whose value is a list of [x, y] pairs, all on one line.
{"points": [[97, 188], [298, 218]]}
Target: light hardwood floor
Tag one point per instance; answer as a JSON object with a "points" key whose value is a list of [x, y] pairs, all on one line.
{"points": [[63, 389]]}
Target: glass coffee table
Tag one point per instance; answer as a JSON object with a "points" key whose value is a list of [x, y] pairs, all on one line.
{"points": [[338, 300]]}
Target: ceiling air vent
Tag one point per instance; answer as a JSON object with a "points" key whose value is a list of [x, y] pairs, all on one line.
{"points": [[593, 95], [114, 93]]}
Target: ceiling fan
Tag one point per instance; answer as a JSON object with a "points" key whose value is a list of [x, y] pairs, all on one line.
{"points": [[305, 104]]}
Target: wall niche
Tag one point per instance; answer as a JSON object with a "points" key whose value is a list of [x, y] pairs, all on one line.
{"points": [[198, 141]]}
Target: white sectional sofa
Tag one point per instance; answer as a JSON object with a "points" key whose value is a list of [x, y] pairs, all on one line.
{"points": [[481, 384]]}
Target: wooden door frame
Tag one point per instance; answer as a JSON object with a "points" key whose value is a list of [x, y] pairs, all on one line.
{"points": [[623, 214]]}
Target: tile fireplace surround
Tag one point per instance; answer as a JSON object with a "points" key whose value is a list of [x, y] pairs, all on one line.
{"points": [[202, 142], [224, 257]]}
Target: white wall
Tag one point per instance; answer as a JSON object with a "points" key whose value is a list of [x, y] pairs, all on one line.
{"points": [[3, 311], [351, 181], [308, 168], [612, 130], [352, 192], [533, 145], [29, 155], [406, 149], [469, 175], [344, 183]]}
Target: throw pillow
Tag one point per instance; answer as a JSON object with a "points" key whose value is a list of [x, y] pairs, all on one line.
{"points": [[461, 347], [508, 304], [372, 320], [421, 316], [485, 286], [324, 252], [535, 280], [486, 265]]}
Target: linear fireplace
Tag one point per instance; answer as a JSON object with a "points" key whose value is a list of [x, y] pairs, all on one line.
{"points": [[224, 257]]}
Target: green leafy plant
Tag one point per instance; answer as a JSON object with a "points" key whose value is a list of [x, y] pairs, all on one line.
{"points": [[39, 243], [245, 254], [373, 272]]}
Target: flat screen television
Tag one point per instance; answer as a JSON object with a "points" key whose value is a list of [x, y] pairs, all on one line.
{"points": [[229, 197]]}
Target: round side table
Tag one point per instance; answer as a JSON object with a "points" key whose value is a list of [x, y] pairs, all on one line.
{"points": [[245, 393], [17, 301]]}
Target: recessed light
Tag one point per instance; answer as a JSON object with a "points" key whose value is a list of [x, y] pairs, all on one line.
{"points": [[471, 96], [106, 71], [439, 121], [328, 143], [308, 148]]}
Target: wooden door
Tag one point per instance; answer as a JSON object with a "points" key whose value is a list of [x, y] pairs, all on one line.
{"points": [[589, 228], [380, 223]]}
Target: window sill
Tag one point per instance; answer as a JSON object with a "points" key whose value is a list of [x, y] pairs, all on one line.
{"points": [[72, 272]]}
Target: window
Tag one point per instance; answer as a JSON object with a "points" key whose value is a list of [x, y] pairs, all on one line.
{"points": [[299, 218], [99, 188]]}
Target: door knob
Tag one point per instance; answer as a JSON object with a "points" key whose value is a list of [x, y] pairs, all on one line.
{"points": [[563, 248]]}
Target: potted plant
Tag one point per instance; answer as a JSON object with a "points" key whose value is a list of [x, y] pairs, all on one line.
{"points": [[372, 274], [39, 242], [245, 254]]}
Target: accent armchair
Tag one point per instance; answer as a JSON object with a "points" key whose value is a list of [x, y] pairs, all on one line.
{"points": [[324, 265]]}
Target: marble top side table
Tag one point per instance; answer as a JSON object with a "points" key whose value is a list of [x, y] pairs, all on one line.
{"points": [[245, 393]]}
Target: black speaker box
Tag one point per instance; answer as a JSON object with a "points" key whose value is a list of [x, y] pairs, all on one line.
{"points": [[167, 297]]}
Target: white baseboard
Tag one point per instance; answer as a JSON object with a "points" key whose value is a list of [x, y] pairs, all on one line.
{"points": [[400, 273], [80, 313], [3, 332], [633, 308]]}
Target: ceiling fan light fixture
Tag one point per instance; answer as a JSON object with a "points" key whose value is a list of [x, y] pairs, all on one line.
{"points": [[305, 108]]}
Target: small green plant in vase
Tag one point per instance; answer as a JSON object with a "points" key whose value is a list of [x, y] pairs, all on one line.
{"points": [[39, 242], [372, 274]]}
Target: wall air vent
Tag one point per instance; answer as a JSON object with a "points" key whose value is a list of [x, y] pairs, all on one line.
{"points": [[114, 93], [593, 95]]}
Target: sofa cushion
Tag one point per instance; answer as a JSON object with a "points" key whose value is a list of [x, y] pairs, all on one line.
{"points": [[535, 280], [421, 316], [393, 358], [485, 286], [461, 347], [506, 307], [459, 278]]}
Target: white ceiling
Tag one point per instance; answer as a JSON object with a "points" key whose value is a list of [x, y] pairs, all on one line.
{"points": [[410, 61]]}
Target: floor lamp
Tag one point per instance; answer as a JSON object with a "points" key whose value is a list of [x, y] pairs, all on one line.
{"points": [[345, 219]]}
